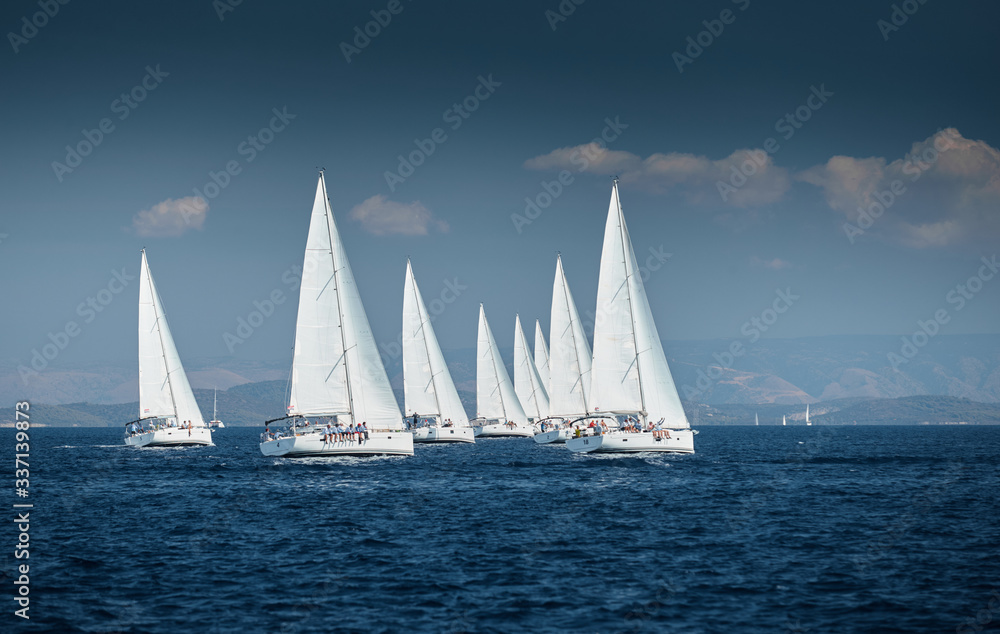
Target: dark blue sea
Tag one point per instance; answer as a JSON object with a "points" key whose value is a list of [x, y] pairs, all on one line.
{"points": [[765, 529]]}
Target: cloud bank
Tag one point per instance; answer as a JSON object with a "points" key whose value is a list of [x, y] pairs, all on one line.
{"points": [[381, 217], [171, 218]]}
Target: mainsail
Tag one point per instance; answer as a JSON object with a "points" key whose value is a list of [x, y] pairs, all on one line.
{"points": [[541, 356], [428, 388], [164, 390], [527, 383], [495, 397], [336, 368], [570, 358], [630, 373]]}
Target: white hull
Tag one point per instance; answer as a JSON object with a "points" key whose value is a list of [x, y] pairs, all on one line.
{"points": [[395, 443], [444, 434], [499, 430], [216, 424], [680, 441], [554, 436], [171, 437]]}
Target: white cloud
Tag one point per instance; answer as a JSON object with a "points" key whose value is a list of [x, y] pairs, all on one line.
{"points": [[171, 217], [694, 177], [944, 192], [381, 216], [775, 264]]}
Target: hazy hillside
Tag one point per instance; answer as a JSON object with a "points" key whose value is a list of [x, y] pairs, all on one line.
{"points": [[781, 371]]}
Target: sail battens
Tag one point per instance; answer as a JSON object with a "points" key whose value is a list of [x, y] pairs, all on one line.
{"points": [[428, 388], [336, 369], [164, 390], [495, 396], [630, 371]]}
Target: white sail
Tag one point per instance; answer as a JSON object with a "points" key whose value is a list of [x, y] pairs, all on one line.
{"points": [[783, 422], [756, 421], [527, 383], [541, 356], [807, 413], [164, 390], [336, 368], [570, 356], [428, 389], [630, 372], [495, 397]]}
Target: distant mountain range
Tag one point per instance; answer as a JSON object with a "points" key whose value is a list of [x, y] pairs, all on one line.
{"points": [[780, 372]]}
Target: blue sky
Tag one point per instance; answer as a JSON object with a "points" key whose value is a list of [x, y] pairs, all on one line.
{"points": [[863, 98]]}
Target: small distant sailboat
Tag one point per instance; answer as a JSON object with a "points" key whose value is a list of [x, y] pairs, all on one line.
{"points": [[337, 373], [527, 383], [497, 407], [215, 423], [783, 421], [569, 364], [808, 423], [756, 421], [428, 390], [630, 376], [168, 412]]}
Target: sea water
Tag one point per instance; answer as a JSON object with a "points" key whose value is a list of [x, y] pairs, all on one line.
{"points": [[764, 529]]}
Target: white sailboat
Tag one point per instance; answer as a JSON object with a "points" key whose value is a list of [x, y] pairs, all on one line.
{"points": [[756, 421], [428, 389], [630, 375], [569, 364], [215, 422], [783, 421], [337, 373], [808, 423], [168, 412], [497, 407], [527, 383], [541, 356]]}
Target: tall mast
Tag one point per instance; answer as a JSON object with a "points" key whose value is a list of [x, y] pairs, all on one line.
{"points": [[628, 288], [423, 333], [496, 372], [572, 330], [153, 296], [336, 287]]}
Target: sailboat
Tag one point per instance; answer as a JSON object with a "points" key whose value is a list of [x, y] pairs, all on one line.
{"points": [[630, 376], [756, 421], [541, 356], [168, 412], [527, 383], [497, 406], [337, 373], [215, 422], [569, 364], [807, 416], [783, 421], [428, 389]]}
